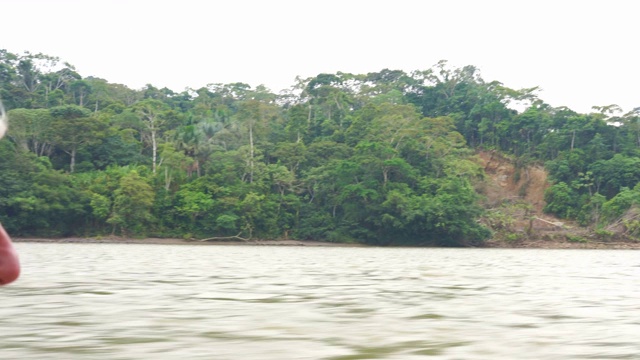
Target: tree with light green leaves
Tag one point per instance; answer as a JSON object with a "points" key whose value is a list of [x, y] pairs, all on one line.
{"points": [[132, 203]]}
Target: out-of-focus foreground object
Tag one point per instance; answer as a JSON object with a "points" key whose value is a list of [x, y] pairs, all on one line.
{"points": [[9, 263]]}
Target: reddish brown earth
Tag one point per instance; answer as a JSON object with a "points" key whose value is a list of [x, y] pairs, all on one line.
{"points": [[514, 199]]}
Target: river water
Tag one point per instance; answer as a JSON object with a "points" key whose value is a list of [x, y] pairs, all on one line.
{"points": [[113, 301]]}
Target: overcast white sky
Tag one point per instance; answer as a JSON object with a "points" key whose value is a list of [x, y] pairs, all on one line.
{"points": [[581, 53]]}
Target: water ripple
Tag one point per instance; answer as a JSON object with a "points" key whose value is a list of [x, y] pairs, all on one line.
{"points": [[106, 301]]}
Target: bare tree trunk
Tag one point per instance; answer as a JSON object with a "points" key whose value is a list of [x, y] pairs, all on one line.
{"points": [[154, 149], [251, 154], [73, 160]]}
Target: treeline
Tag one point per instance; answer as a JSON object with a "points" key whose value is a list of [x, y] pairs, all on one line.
{"points": [[383, 158]]}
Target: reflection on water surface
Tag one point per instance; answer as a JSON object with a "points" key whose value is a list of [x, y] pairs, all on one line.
{"points": [[109, 301]]}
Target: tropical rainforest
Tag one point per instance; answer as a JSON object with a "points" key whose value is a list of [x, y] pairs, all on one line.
{"points": [[384, 158]]}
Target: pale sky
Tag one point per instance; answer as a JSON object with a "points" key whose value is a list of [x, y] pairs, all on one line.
{"points": [[580, 53]]}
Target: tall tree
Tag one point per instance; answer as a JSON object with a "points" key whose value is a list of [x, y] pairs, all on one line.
{"points": [[30, 130], [73, 127], [253, 115], [152, 114]]}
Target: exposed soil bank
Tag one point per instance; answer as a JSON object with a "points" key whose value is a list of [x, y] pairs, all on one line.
{"points": [[545, 244]]}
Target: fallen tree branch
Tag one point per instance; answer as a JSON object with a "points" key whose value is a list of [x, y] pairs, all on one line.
{"points": [[556, 223], [237, 237]]}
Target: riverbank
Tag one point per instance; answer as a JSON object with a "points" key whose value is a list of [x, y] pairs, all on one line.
{"points": [[494, 244], [546, 244], [177, 241]]}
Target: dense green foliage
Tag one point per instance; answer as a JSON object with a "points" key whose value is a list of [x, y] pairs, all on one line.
{"points": [[382, 158]]}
